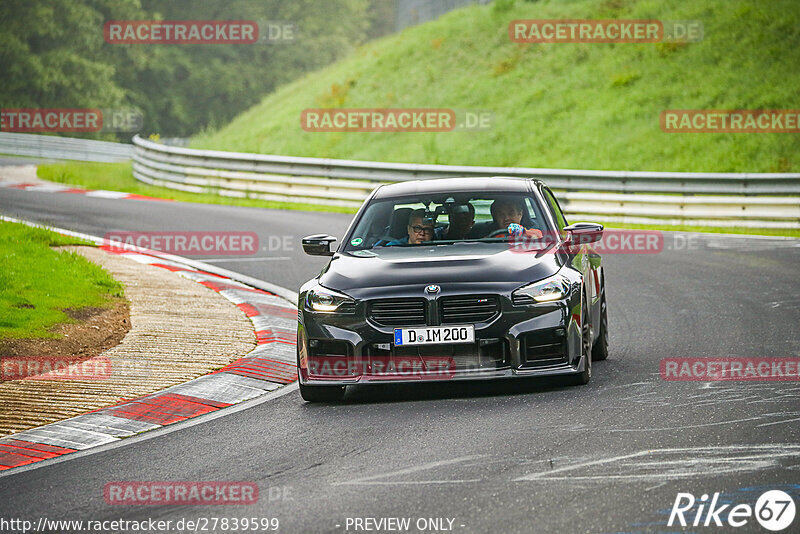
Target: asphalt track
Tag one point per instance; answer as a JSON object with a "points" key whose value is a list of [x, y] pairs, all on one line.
{"points": [[493, 457]]}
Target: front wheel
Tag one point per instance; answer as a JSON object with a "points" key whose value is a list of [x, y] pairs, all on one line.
{"points": [[600, 348], [321, 393], [586, 349]]}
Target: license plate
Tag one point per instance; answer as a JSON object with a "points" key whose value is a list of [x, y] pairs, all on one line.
{"points": [[432, 335]]}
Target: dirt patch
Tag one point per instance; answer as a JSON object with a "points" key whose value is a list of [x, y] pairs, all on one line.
{"points": [[83, 314], [97, 330]]}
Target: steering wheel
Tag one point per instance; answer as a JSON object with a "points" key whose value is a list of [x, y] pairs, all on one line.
{"points": [[497, 233]]}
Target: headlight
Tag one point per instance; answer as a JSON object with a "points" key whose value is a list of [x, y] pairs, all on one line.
{"points": [[554, 288], [326, 301]]}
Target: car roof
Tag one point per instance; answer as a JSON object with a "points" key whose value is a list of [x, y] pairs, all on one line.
{"points": [[455, 185]]}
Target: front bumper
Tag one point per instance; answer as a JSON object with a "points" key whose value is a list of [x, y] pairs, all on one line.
{"points": [[541, 339]]}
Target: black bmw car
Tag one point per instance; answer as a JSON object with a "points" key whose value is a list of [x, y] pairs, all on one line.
{"points": [[453, 279]]}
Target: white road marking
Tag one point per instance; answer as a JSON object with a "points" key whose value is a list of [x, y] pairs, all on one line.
{"points": [[547, 474], [692, 462], [47, 188], [780, 422], [370, 480], [102, 193], [651, 488], [682, 427]]}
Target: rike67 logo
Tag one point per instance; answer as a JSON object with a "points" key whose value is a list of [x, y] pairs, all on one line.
{"points": [[774, 510]]}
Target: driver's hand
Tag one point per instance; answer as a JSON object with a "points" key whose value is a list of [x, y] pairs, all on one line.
{"points": [[533, 233]]}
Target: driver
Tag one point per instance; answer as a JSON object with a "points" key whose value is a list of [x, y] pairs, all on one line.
{"points": [[418, 230], [507, 211]]}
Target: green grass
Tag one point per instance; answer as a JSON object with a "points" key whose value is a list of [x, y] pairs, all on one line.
{"points": [[37, 282], [118, 177], [576, 106]]}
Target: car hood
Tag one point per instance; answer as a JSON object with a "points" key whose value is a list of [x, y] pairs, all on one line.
{"points": [[395, 270]]}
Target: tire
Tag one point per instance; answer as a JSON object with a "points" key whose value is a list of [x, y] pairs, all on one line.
{"points": [[321, 393], [586, 350], [600, 347]]}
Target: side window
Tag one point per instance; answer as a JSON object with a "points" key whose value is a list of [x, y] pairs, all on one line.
{"points": [[555, 209]]}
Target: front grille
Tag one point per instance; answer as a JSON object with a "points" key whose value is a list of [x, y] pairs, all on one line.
{"points": [[468, 309], [398, 312], [465, 357]]}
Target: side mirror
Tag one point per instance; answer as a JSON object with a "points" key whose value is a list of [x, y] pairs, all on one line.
{"points": [[583, 232], [318, 245]]}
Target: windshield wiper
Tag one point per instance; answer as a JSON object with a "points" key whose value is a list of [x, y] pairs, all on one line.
{"points": [[485, 240]]}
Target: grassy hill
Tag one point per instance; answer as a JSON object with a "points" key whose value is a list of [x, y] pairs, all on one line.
{"points": [[557, 105]]}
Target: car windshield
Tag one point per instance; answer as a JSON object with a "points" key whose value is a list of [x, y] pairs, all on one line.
{"points": [[447, 220]]}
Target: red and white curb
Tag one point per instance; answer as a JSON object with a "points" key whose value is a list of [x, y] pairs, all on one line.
{"points": [[97, 193], [271, 365]]}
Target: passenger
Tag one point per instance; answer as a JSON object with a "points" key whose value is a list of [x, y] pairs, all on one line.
{"points": [[461, 222], [418, 231]]}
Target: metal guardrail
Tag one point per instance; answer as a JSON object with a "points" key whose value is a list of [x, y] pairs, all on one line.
{"points": [[704, 199], [54, 147]]}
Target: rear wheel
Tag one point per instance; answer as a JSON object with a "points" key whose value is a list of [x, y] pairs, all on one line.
{"points": [[600, 348], [321, 393]]}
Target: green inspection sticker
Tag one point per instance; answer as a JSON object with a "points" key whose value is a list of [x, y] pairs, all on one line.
{"points": [[357, 241]]}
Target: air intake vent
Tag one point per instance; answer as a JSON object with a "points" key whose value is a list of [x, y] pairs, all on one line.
{"points": [[346, 307], [545, 348], [469, 309], [398, 312], [519, 299]]}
